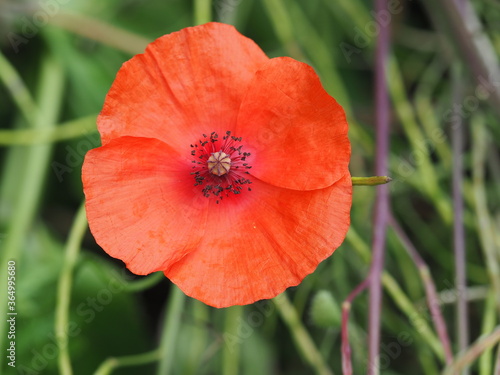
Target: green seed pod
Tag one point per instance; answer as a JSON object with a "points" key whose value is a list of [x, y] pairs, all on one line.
{"points": [[325, 312]]}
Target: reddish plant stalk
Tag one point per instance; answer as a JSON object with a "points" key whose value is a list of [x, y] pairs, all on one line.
{"points": [[346, 309], [382, 199], [430, 289], [497, 362]]}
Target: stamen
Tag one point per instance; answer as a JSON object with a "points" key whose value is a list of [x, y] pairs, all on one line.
{"points": [[220, 166]]}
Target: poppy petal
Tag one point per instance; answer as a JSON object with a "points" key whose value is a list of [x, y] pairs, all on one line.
{"points": [[296, 131], [269, 243], [141, 204], [186, 83]]}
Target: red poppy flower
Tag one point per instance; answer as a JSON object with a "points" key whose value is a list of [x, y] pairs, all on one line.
{"points": [[224, 169]]}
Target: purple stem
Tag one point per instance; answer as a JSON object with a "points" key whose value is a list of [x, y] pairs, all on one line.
{"points": [[458, 227], [483, 72], [346, 308], [457, 135], [430, 289], [382, 198]]}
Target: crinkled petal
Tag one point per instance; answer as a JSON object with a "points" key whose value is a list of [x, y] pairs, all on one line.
{"points": [[141, 205], [186, 83], [295, 130], [266, 243]]}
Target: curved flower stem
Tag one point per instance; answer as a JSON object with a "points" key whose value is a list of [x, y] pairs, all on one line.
{"points": [[346, 308], [202, 11], [430, 289], [170, 330], [64, 289], [113, 363], [19, 92], [474, 351], [370, 181], [64, 131], [300, 335], [49, 99], [382, 200], [144, 283], [132, 286], [231, 353]]}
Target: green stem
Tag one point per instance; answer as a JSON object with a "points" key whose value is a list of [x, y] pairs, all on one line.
{"points": [[354, 13], [283, 26], [199, 348], [71, 129], [485, 225], [202, 11], [427, 179], [144, 283], [430, 289], [426, 111], [18, 90], [488, 325], [370, 181], [132, 360], [130, 286], [418, 320], [302, 339], [49, 94], [475, 350], [170, 330], [231, 354], [64, 289], [100, 31], [404, 303]]}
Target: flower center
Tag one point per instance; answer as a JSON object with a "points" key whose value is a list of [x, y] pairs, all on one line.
{"points": [[220, 166], [219, 163]]}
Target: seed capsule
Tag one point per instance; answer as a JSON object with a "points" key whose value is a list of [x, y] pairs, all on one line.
{"points": [[219, 163]]}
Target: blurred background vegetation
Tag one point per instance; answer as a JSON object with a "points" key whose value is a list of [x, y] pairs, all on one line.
{"points": [[59, 58]]}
